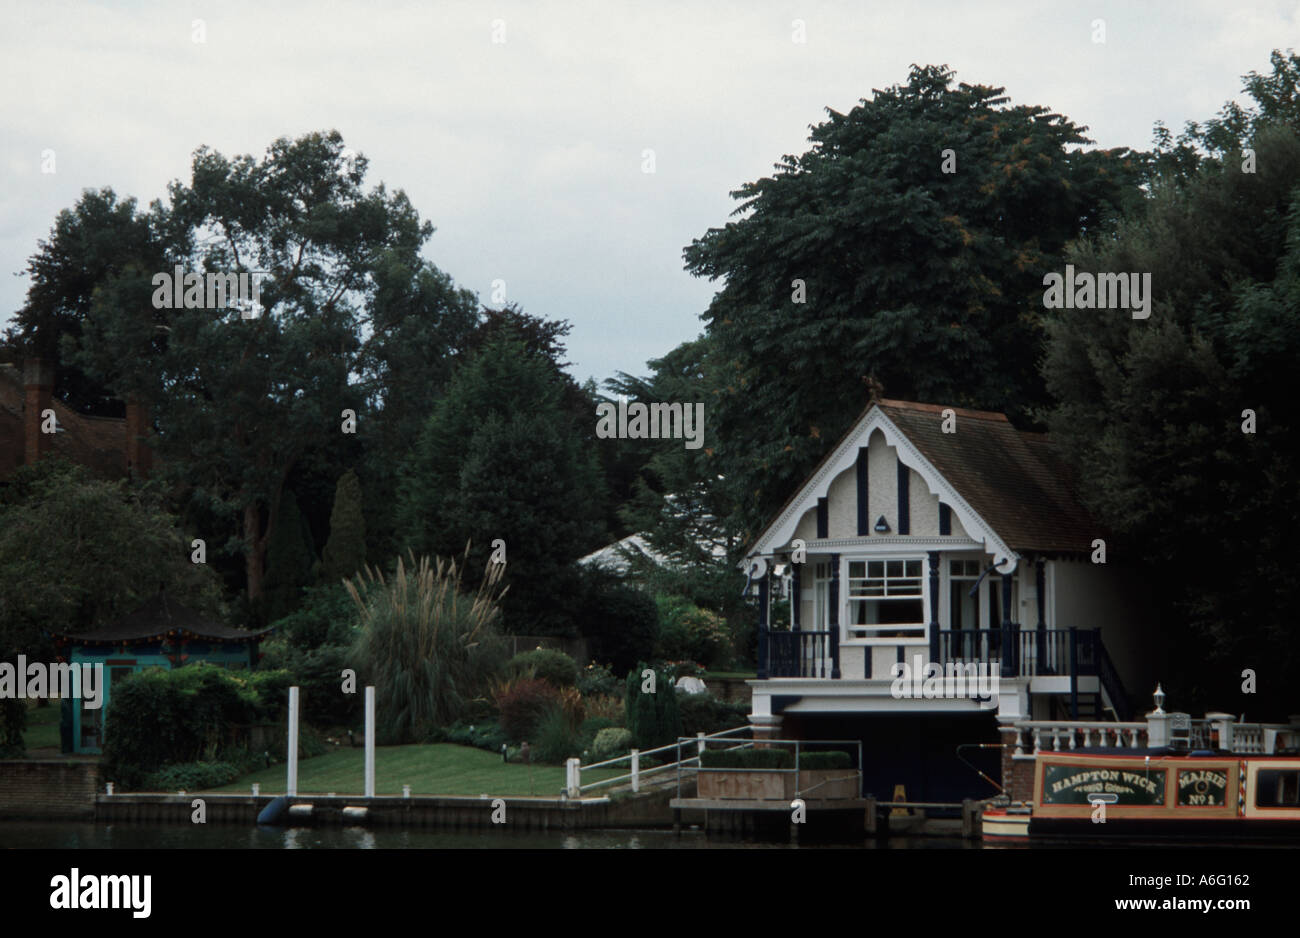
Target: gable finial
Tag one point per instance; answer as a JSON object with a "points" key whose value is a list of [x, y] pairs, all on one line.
{"points": [[875, 390]]}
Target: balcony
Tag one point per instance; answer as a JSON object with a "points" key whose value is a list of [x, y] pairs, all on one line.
{"points": [[1016, 652]]}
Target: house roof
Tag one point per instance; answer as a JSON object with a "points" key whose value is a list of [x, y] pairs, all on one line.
{"points": [[162, 616], [99, 443], [1014, 480]]}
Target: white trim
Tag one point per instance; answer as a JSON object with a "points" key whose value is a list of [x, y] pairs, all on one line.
{"points": [[780, 531]]}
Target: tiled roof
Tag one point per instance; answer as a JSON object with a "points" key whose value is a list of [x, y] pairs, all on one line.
{"points": [[160, 616], [1016, 481], [98, 443]]}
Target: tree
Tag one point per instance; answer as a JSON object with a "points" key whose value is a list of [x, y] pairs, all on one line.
{"points": [[100, 238], [865, 257], [290, 559], [79, 552], [345, 551], [239, 401], [1153, 412], [502, 460]]}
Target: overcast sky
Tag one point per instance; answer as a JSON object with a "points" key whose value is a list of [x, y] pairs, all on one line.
{"points": [[527, 154]]}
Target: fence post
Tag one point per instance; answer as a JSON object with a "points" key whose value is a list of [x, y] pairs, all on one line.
{"points": [[699, 743], [291, 786], [370, 743], [573, 778], [636, 770]]}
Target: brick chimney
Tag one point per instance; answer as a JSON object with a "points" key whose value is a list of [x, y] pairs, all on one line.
{"points": [[38, 388], [139, 457]]}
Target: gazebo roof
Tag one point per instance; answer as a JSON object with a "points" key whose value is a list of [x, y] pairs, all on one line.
{"points": [[161, 617]]}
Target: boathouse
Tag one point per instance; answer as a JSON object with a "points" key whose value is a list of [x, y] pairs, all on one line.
{"points": [[943, 582], [161, 633]]}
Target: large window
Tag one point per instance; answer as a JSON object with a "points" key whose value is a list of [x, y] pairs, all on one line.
{"points": [[963, 608], [885, 598]]}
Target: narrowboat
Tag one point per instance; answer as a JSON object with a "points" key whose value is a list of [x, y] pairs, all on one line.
{"points": [[1213, 779]]}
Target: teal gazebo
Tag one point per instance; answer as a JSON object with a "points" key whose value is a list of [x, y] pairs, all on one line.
{"points": [[161, 633]]}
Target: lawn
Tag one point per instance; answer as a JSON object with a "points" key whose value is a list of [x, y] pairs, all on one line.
{"points": [[432, 769], [42, 727]]}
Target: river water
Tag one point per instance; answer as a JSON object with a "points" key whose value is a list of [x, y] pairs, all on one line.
{"points": [[62, 835]]}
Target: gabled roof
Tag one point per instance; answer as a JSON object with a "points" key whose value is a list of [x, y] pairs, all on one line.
{"points": [[160, 617], [1009, 488], [1015, 480]]}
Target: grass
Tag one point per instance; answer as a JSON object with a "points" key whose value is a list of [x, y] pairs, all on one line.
{"points": [[42, 727], [432, 769]]}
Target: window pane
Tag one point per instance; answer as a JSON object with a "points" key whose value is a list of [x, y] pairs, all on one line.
{"points": [[856, 568], [894, 568], [876, 568], [913, 568]]}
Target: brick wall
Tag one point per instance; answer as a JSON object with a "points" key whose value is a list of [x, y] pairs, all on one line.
{"points": [[48, 789]]}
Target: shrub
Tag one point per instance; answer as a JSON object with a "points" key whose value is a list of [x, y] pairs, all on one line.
{"points": [[704, 713], [746, 759], [193, 776], [825, 760], [653, 718], [590, 727], [598, 679], [327, 616], [610, 743], [619, 622], [688, 632], [554, 667], [164, 717], [557, 739], [481, 736], [605, 705], [427, 646], [522, 704]]}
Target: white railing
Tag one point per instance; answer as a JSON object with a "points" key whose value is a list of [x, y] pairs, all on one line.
{"points": [[1057, 736], [574, 767], [1034, 736]]}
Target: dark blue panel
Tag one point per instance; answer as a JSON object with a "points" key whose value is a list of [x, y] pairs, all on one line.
{"points": [[864, 520], [904, 484]]}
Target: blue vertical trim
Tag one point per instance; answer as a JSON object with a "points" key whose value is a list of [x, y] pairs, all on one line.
{"points": [[823, 519], [835, 615], [904, 505], [945, 519], [864, 517], [933, 557], [762, 628]]}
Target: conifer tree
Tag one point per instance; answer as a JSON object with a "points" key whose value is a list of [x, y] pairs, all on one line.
{"points": [[345, 551]]}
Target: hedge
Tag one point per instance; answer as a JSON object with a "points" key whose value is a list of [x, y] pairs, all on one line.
{"points": [[773, 759], [746, 759]]}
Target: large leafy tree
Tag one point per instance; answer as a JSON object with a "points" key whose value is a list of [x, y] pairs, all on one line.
{"points": [[238, 402], [98, 239], [929, 280], [1151, 411], [78, 552], [501, 457]]}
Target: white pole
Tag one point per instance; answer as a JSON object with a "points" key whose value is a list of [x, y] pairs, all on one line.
{"points": [[574, 780], [636, 770], [370, 742], [699, 743], [291, 788]]}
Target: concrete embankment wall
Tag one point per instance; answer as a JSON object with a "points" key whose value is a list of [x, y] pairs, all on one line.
{"points": [[48, 790], [387, 811]]}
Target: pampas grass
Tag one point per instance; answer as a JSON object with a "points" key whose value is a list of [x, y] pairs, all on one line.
{"points": [[426, 645]]}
